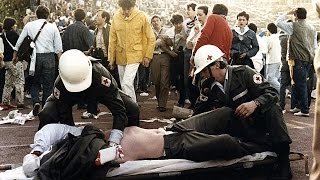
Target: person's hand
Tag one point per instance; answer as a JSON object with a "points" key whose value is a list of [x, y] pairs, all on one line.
{"points": [[292, 11], [243, 55], [173, 54], [111, 66], [146, 62], [189, 45], [245, 109], [1, 56], [14, 60]]}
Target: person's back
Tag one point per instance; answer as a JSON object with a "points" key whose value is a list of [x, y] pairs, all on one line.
{"points": [[77, 35]]}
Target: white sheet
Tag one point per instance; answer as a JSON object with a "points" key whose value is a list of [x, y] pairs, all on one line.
{"points": [[177, 165], [153, 166]]}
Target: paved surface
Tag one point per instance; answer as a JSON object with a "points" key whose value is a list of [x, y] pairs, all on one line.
{"points": [[15, 139]]}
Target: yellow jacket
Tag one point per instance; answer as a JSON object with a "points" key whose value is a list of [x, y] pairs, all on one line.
{"points": [[130, 40]]}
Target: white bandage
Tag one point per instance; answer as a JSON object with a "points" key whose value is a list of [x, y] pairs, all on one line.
{"points": [[109, 154]]}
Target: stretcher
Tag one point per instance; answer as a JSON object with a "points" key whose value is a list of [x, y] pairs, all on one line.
{"points": [[248, 167]]}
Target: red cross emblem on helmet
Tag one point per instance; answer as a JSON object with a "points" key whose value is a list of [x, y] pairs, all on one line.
{"points": [[209, 58]]}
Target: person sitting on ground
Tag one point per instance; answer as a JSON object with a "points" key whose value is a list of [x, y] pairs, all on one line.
{"points": [[83, 79]]}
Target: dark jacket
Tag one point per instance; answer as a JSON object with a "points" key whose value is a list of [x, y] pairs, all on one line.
{"points": [[105, 33], [242, 86], [107, 94], [74, 157], [247, 43], [77, 36], [12, 36]]}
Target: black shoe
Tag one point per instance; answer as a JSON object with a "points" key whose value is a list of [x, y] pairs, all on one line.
{"points": [[181, 105], [162, 109], [22, 106], [36, 109]]}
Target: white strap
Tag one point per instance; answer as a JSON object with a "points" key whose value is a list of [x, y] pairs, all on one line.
{"points": [[8, 40]]}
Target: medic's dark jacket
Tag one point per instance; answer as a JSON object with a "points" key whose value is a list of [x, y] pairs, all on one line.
{"points": [[243, 85], [103, 89]]}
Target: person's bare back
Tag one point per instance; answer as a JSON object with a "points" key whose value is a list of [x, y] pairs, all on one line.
{"points": [[138, 143]]}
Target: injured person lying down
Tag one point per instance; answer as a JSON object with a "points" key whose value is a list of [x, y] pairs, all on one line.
{"points": [[207, 136]]}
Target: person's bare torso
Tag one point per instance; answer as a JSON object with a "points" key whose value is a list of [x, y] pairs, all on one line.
{"points": [[138, 143]]}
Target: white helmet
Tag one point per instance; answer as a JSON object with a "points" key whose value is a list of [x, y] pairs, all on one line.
{"points": [[75, 70], [206, 55]]}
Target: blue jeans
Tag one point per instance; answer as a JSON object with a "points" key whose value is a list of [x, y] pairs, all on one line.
{"points": [[299, 91], [44, 75]]}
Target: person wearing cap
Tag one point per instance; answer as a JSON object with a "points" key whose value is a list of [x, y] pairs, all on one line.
{"points": [[256, 116], [92, 82]]}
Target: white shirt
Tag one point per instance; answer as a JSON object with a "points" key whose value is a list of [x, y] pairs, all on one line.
{"points": [[49, 39], [51, 134], [274, 49]]}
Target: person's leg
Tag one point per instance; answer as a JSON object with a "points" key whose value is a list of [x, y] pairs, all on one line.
{"points": [[198, 146], [301, 70], [132, 110], [48, 75], [164, 87], [186, 67], [9, 83], [155, 74], [284, 83], [2, 81], [180, 83], [36, 81], [19, 84], [213, 122], [142, 84], [128, 78], [49, 114]]}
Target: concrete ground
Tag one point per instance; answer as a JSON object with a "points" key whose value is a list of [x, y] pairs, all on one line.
{"points": [[15, 139]]}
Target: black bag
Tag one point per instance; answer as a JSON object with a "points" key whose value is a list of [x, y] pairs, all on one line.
{"points": [[25, 50]]}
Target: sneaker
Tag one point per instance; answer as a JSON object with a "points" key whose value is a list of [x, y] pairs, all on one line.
{"points": [[154, 98], [187, 101], [87, 115], [28, 96], [144, 94], [36, 109], [295, 110], [284, 111], [301, 114]]}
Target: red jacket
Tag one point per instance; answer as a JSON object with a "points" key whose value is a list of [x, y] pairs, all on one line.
{"points": [[216, 32]]}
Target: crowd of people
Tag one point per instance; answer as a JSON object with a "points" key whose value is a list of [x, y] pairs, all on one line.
{"points": [[225, 73]]}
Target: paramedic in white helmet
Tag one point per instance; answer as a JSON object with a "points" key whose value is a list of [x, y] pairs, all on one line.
{"points": [[84, 78], [257, 116]]}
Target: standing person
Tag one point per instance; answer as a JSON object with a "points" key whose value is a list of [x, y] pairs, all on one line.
{"points": [[302, 44], [42, 66], [176, 39], [285, 80], [244, 43], [189, 24], [160, 66], [216, 31], [77, 36], [192, 84], [14, 77], [131, 42], [101, 41], [273, 61]]}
